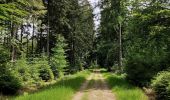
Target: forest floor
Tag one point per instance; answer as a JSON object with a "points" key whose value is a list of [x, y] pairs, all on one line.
{"points": [[95, 88]]}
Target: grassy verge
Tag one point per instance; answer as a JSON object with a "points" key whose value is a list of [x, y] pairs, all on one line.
{"points": [[122, 89], [64, 89]]}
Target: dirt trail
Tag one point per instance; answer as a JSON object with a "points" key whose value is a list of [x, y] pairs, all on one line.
{"points": [[95, 88]]}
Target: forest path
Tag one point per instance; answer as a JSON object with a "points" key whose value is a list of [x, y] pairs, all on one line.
{"points": [[95, 88]]}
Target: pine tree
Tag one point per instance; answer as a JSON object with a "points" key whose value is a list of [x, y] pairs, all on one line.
{"points": [[59, 58]]}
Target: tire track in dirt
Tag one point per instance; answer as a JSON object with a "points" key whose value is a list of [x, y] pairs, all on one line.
{"points": [[95, 88]]}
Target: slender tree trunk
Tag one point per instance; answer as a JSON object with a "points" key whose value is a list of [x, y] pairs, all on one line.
{"points": [[27, 44], [8, 42], [22, 30], [14, 31], [74, 58], [120, 46], [41, 39], [12, 46], [16, 38], [48, 33], [33, 38], [73, 50]]}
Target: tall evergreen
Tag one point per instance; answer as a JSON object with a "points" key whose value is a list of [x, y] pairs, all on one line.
{"points": [[59, 62], [71, 21], [111, 29]]}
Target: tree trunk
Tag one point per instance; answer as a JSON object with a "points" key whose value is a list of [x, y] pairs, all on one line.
{"points": [[27, 44], [120, 46], [22, 30], [48, 34], [40, 49], [14, 31], [12, 46], [33, 38]]}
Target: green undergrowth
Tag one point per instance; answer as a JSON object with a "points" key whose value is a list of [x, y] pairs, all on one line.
{"points": [[122, 89], [64, 89]]}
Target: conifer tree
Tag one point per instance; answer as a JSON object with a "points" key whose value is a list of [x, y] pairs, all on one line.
{"points": [[59, 58]]}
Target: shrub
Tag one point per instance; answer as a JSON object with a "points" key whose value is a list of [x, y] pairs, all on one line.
{"points": [[22, 70], [45, 72], [34, 73], [161, 85], [138, 70], [4, 55], [168, 90], [54, 70], [142, 66], [9, 83]]}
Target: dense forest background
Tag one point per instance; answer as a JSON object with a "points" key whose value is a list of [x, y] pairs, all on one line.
{"points": [[43, 40], [40, 40]]}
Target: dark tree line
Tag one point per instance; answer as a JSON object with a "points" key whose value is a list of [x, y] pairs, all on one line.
{"points": [[134, 39], [42, 40]]}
